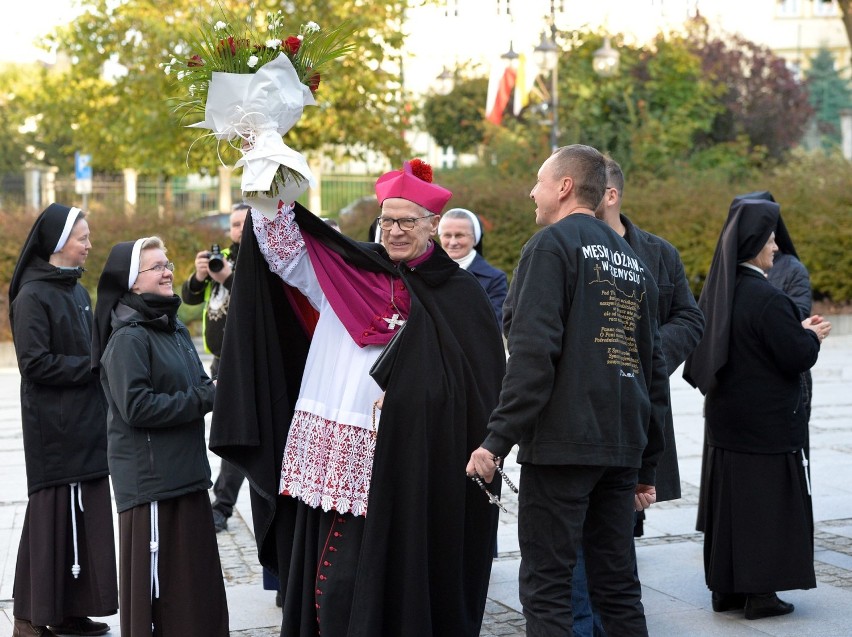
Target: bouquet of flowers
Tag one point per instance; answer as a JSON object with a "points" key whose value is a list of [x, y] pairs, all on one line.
{"points": [[251, 90]]}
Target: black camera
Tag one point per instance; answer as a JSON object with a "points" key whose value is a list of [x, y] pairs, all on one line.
{"points": [[215, 259]]}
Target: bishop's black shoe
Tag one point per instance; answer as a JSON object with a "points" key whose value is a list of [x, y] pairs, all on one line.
{"points": [[728, 601], [760, 605]]}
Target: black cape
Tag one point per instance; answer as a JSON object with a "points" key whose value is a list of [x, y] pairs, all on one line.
{"points": [[428, 541]]}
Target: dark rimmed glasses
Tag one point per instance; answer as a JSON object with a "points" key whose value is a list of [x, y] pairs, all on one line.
{"points": [[160, 268], [406, 223]]}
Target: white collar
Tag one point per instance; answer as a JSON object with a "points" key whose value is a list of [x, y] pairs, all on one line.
{"points": [[465, 261], [751, 266]]}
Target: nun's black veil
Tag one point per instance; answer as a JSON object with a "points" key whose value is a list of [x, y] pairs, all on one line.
{"points": [[745, 233], [40, 242], [112, 285]]}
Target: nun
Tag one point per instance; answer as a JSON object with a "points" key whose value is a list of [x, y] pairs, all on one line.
{"points": [[755, 501], [460, 232], [158, 394], [66, 560]]}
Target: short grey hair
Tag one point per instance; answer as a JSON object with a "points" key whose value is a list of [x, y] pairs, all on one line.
{"points": [[152, 243]]}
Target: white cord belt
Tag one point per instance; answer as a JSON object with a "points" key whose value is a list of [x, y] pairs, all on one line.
{"points": [[75, 486], [155, 551], [805, 465]]}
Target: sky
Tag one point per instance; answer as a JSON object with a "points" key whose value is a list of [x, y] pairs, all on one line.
{"points": [[26, 20], [441, 34]]}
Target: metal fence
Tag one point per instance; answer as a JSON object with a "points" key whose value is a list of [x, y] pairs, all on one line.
{"points": [[179, 195]]}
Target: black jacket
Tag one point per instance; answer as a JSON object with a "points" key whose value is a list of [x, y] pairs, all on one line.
{"points": [[681, 326], [158, 394], [756, 404], [63, 412], [790, 275], [586, 381]]}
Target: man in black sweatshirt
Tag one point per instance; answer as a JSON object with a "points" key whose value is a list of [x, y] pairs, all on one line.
{"points": [[584, 396]]}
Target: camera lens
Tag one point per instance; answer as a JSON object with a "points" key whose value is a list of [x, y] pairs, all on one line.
{"points": [[215, 261]]}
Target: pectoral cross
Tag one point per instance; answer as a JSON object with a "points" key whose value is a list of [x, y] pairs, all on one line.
{"points": [[394, 321]]}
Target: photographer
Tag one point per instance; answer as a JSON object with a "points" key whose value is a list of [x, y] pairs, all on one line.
{"points": [[211, 284]]}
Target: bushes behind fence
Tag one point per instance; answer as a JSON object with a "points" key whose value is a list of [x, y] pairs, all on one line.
{"points": [[687, 208], [183, 240]]}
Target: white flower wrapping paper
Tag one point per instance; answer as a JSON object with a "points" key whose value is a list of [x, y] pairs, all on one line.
{"points": [[260, 108]]}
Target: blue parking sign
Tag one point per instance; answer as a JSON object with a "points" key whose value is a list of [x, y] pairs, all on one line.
{"points": [[82, 166], [82, 173]]}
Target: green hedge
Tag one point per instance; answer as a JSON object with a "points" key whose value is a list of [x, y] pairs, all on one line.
{"points": [[688, 209], [182, 241]]}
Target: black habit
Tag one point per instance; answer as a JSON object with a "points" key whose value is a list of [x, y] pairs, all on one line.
{"points": [[427, 546], [755, 504]]}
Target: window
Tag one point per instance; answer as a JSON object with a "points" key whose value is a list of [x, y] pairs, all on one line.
{"points": [[825, 9], [789, 8]]}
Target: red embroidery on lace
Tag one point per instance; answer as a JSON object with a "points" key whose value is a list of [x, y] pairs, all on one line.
{"points": [[280, 240], [328, 464]]}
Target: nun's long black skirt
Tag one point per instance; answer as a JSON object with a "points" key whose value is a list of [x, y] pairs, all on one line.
{"points": [[758, 522], [45, 590], [191, 589]]}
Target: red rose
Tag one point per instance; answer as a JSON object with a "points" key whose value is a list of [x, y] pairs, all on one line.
{"points": [[421, 169], [228, 44], [231, 44], [291, 45], [195, 60], [313, 82]]}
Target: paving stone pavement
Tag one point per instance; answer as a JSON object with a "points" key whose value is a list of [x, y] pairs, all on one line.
{"points": [[238, 554], [677, 603]]}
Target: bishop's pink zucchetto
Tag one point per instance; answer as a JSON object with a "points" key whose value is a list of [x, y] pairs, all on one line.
{"points": [[414, 183]]}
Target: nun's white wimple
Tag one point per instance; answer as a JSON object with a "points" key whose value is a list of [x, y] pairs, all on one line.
{"points": [[474, 220], [134, 263], [66, 231]]}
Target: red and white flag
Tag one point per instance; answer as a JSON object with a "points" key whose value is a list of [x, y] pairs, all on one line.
{"points": [[500, 86]]}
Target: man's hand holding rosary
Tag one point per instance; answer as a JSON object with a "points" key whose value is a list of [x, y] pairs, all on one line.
{"points": [[482, 466]]}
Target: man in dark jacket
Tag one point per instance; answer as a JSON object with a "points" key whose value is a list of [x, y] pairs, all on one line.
{"points": [[681, 322], [584, 396], [681, 327], [212, 286]]}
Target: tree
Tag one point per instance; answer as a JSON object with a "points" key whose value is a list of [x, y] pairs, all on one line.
{"points": [[457, 119], [762, 98], [16, 132], [127, 120], [829, 94], [845, 7], [647, 116], [34, 129]]}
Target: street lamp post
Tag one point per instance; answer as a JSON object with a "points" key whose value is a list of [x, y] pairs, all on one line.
{"points": [[605, 60], [444, 82], [548, 59]]}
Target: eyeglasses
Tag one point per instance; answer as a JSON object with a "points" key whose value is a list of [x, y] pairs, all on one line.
{"points": [[457, 236], [160, 267], [406, 224]]}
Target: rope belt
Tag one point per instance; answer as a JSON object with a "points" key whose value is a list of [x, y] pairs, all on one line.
{"points": [[155, 551], [75, 486], [805, 464]]}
